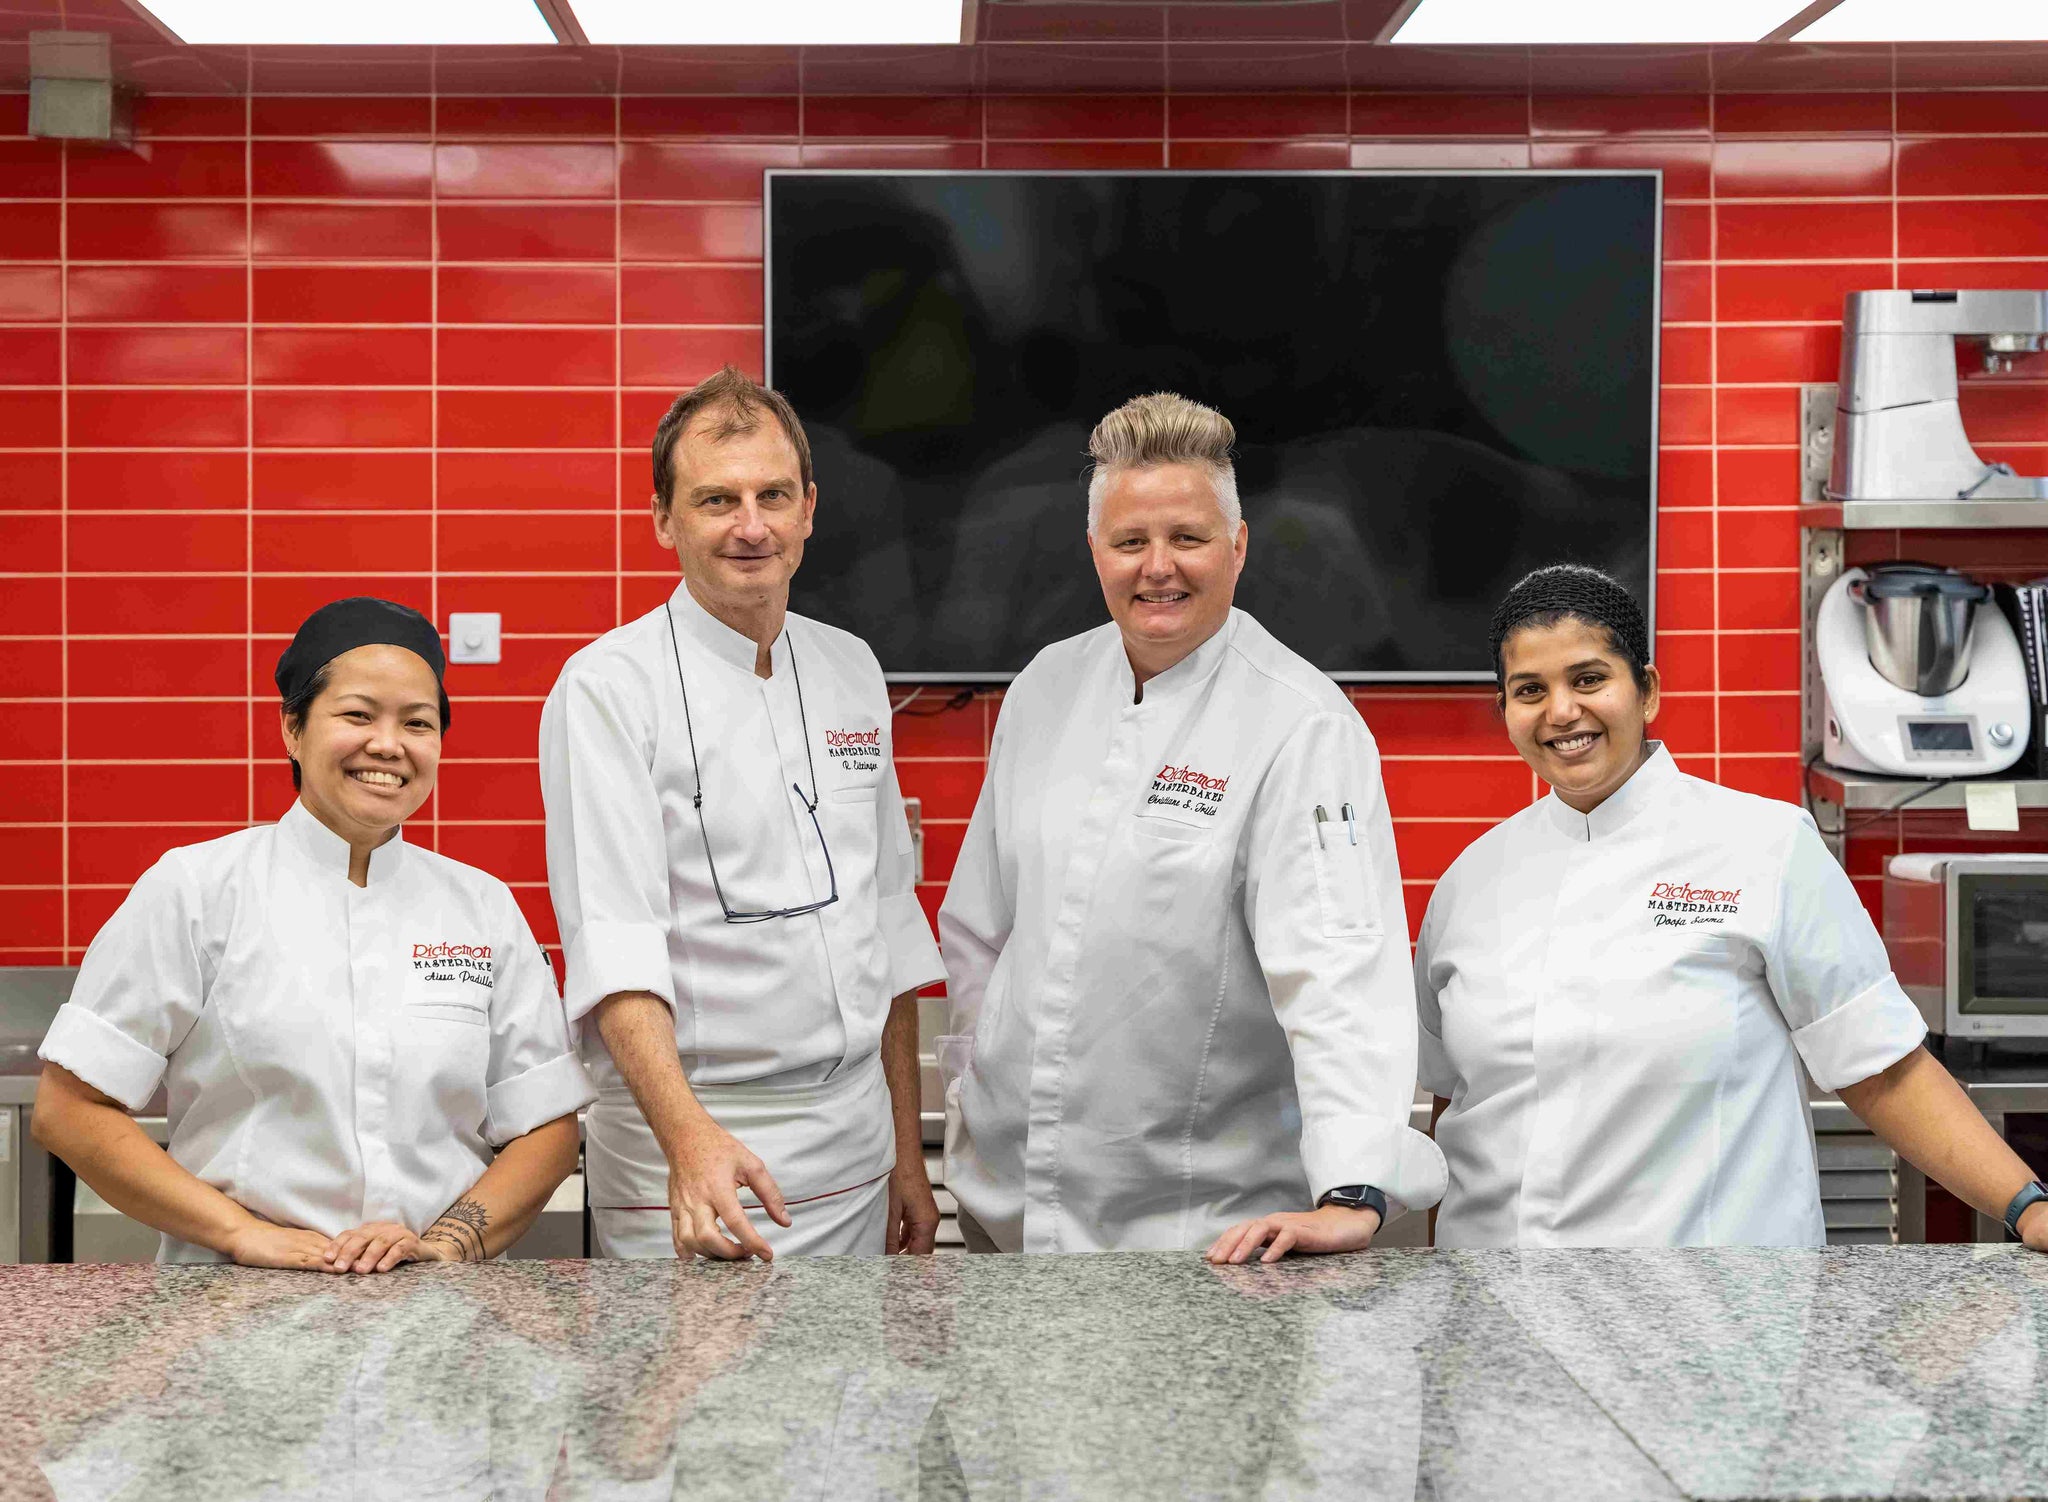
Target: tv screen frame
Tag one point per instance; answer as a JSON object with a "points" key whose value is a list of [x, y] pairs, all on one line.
{"points": [[1655, 176]]}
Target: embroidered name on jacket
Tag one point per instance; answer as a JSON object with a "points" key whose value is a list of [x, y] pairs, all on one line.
{"points": [[855, 750], [451, 964], [1186, 790], [1679, 904]]}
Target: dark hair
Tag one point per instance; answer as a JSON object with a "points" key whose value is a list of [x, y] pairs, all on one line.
{"points": [[1571, 590], [298, 705], [739, 400]]}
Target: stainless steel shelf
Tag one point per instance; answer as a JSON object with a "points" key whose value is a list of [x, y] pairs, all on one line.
{"points": [[1858, 516], [1853, 790]]}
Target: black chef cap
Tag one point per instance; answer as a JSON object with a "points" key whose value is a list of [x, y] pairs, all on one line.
{"points": [[1548, 595], [360, 621]]}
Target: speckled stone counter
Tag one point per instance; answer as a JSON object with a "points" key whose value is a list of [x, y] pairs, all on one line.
{"points": [[1917, 1372]]}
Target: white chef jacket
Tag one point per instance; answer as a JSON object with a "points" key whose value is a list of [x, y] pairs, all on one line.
{"points": [[1618, 1004], [789, 1001], [1176, 1000], [332, 1054]]}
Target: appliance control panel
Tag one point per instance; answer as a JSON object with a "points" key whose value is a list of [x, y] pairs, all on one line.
{"points": [[1938, 738]]}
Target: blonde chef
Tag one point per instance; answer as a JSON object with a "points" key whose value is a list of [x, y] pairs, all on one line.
{"points": [[731, 867], [1621, 986], [365, 1058], [1175, 946]]}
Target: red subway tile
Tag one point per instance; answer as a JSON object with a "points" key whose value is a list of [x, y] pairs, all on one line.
{"points": [[1965, 168], [877, 116], [896, 156], [1762, 294], [530, 667], [156, 231], [948, 788], [640, 593], [510, 852], [1760, 601], [690, 294], [206, 543], [1803, 113], [31, 357], [1685, 539], [559, 232], [1438, 156], [1255, 116], [526, 419], [689, 232], [31, 232], [1973, 112], [343, 419], [1761, 414], [1618, 114], [1074, 156], [526, 357], [172, 419], [30, 669], [1685, 414], [1076, 117], [1803, 232], [32, 482], [1374, 114], [168, 169], [1760, 722], [31, 419], [1487, 789], [700, 170], [158, 482], [580, 604], [930, 727], [158, 357], [1996, 411], [1688, 232], [161, 115], [1686, 660], [1259, 156], [1844, 168], [1766, 776], [30, 294], [153, 605], [34, 169], [1687, 359], [14, 114], [1759, 538], [493, 727], [32, 856], [342, 357], [1685, 164], [344, 294], [158, 294], [399, 542], [1810, 352], [527, 294], [1685, 477], [342, 232], [641, 551], [484, 481], [557, 115], [119, 853], [1974, 274], [533, 902], [280, 602], [342, 482], [1685, 602], [525, 170], [32, 607], [1426, 850], [134, 791], [1960, 228], [640, 412], [1759, 477], [1761, 660], [1685, 724], [284, 115], [684, 116], [30, 543], [679, 358], [527, 543], [112, 667], [1688, 294], [35, 917], [341, 169]]}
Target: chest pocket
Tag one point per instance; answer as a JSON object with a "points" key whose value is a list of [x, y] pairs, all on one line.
{"points": [[1344, 886], [1665, 1007], [457, 989]]}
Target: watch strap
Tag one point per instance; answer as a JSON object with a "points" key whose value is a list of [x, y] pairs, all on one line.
{"points": [[2033, 1194], [1355, 1197]]}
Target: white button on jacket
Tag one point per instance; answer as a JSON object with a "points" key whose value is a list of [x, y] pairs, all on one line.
{"points": [[332, 1054], [1177, 1001], [1618, 1005]]}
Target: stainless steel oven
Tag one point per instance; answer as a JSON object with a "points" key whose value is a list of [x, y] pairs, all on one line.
{"points": [[1968, 938]]}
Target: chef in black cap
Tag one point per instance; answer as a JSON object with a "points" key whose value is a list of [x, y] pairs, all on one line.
{"points": [[365, 1056]]}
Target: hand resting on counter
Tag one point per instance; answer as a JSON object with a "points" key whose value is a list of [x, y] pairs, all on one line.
{"points": [[1333, 1228]]}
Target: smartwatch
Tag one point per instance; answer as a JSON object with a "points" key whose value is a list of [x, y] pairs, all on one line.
{"points": [[2033, 1194], [1365, 1197]]}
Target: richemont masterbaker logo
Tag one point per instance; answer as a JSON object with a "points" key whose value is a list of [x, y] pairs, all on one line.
{"points": [[1186, 789], [1679, 904], [447, 963], [855, 750]]}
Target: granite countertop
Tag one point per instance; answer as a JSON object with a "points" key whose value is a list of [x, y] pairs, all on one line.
{"points": [[1850, 1372]]}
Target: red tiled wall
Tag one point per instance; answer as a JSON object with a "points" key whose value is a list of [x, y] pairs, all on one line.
{"points": [[302, 347]]}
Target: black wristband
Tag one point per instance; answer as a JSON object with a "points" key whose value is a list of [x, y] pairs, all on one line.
{"points": [[1356, 1197], [2032, 1195]]}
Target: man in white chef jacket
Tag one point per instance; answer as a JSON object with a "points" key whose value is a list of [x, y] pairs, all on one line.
{"points": [[731, 869], [1175, 944]]}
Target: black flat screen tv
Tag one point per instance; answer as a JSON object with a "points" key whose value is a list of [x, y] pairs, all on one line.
{"points": [[1439, 381]]}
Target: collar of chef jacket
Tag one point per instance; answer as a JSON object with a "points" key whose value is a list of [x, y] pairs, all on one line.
{"points": [[699, 625], [1184, 676], [1646, 785], [329, 851]]}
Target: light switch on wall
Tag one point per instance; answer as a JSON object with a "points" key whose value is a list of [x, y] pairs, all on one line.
{"points": [[473, 636]]}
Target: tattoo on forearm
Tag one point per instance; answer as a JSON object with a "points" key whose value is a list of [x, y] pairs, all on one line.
{"points": [[461, 1227]]}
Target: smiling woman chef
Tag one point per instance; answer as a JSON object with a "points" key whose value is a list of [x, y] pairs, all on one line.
{"points": [[366, 1060], [1619, 984]]}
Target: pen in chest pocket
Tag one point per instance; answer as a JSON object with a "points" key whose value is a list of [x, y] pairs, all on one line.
{"points": [[1350, 824], [1321, 819]]}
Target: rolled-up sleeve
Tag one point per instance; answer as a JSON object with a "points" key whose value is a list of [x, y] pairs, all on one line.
{"points": [[607, 863], [534, 1076], [1331, 935], [1830, 975], [139, 990], [913, 952]]}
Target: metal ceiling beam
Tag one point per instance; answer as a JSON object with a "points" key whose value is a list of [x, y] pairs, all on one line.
{"points": [[1791, 28], [562, 22]]}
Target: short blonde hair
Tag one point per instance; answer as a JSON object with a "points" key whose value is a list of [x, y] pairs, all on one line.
{"points": [[1164, 429]]}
